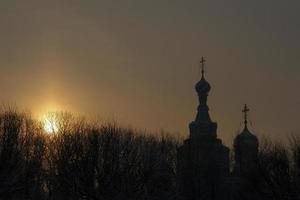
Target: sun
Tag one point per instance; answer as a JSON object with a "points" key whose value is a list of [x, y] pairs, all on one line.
{"points": [[50, 123]]}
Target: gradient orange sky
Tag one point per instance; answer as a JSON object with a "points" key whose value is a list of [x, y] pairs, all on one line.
{"points": [[137, 61]]}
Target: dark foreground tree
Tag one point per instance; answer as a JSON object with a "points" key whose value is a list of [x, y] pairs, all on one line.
{"points": [[22, 148], [106, 162]]}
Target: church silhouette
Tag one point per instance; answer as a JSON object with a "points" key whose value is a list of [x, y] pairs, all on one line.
{"points": [[203, 167]]}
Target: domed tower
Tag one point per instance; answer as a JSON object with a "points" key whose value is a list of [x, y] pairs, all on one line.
{"points": [[203, 161], [203, 126], [245, 149]]}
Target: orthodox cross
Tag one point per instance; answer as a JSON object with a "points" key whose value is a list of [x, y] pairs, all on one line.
{"points": [[202, 62], [245, 111]]}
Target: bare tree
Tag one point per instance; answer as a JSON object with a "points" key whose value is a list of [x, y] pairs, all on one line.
{"points": [[21, 155]]}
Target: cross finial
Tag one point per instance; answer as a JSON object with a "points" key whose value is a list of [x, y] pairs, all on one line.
{"points": [[245, 111], [202, 62]]}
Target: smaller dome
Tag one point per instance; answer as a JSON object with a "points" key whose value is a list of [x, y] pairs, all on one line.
{"points": [[203, 86], [246, 134]]}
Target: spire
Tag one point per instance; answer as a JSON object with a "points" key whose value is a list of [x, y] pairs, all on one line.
{"points": [[202, 63], [245, 111], [203, 88], [246, 133], [203, 125], [245, 149]]}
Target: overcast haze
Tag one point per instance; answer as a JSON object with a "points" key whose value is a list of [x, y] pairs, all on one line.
{"points": [[137, 61]]}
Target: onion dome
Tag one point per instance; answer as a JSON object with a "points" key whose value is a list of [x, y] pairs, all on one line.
{"points": [[203, 87]]}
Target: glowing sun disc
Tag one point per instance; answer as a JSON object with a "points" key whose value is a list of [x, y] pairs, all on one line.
{"points": [[50, 125]]}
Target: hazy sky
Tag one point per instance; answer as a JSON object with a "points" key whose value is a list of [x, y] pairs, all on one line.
{"points": [[136, 61]]}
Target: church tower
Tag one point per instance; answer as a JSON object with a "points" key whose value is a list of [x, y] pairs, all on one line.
{"points": [[203, 161], [245, 149]]}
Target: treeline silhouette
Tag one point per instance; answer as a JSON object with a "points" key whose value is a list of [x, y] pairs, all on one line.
{"points": [[86, 160]]}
